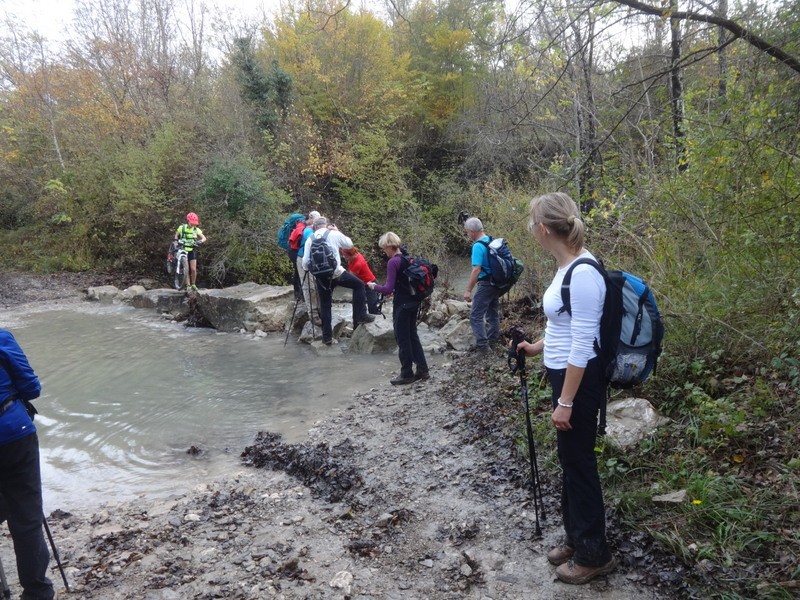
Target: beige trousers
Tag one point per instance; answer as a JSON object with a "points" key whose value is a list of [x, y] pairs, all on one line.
{"points": [[309, 287]]}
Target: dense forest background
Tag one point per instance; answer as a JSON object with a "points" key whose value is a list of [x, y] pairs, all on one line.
{"points": [[675, 125]]}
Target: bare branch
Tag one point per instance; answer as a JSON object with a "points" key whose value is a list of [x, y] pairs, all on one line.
{"points": [[732, 26]]}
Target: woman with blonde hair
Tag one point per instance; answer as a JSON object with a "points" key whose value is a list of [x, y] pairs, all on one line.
{"points": [[576, 375], [404, 312]]}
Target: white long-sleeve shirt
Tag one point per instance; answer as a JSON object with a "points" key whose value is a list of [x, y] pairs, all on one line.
{"points": [[336, 240], [570, 339]]}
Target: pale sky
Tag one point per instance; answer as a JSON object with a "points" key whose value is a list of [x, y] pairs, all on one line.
{"points": [[51, 17]]}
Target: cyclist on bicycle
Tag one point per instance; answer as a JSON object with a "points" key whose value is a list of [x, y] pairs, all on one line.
{"points": [[189, 235]]}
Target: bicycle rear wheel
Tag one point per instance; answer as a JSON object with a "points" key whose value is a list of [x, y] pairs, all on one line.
{"points": [[181, 273]]}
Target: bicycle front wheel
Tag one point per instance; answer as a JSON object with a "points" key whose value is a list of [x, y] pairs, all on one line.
{"points": [[181, 273]]}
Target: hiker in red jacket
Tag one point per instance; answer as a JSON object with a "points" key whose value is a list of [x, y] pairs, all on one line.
{"points": [[357, 265]]}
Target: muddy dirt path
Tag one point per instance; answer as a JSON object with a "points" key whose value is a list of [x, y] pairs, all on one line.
{"points": [[397, 497]]}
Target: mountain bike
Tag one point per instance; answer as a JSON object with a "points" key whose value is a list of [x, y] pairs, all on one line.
{"points": [[182, 264], [181, 267]]}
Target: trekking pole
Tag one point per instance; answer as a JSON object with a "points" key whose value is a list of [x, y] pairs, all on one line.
{"points": [[55, 553], [516, 362], [6, 591]]}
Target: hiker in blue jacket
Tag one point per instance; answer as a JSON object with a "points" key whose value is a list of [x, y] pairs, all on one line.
{"points": [[575, 372], [484, 318], [309, 288], [20, 478]]}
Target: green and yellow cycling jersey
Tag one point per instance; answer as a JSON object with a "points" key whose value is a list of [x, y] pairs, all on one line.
{"points": [[188, 236]]}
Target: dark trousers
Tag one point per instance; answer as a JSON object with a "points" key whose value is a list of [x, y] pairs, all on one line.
{"points": [[21, 489], [409, 348], [296, 280], [581, 496], [325, 287]]}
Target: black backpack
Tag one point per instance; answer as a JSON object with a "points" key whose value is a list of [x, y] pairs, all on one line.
{"points": [[421, 274], [322, 259], [631, 329], [505, 269]]}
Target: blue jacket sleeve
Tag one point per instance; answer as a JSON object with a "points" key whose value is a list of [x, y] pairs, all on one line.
{"points": [[16, 375]]}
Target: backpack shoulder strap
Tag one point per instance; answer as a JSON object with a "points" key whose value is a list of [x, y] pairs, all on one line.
{"points": [[565, 293]]}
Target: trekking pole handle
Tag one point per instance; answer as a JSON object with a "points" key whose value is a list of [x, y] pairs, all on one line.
{"points": [[516, 357]]}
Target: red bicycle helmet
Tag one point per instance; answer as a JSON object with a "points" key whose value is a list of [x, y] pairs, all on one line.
{"points": [[193, 219]]}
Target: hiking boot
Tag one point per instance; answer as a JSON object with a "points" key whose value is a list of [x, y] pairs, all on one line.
{"points": [[421, 375], [569, 572], [560, 554], [327, 342], [402, 380], [368, 318]]}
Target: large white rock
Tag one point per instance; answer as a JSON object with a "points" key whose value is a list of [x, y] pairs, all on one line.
{"points": [[105, 294], [374, 337], [630, 420], [245, 305], [458, 334], [162, 300], [128, 293], [456, 307]]}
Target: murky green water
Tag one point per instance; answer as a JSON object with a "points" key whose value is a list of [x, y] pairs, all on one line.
{"points": [[126, 394]]}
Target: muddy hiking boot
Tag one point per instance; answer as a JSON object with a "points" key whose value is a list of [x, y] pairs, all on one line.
{"points": [[421, 375], [403, 380], [559, 555], [574, 574]]}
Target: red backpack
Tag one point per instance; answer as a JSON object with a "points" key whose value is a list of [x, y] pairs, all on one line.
{"points": [[296, 235]]}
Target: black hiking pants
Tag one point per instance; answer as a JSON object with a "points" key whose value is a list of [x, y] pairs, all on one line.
{"points": [[409, 348], [325, 287], [296, 279], [21, 488], [582, 506]]}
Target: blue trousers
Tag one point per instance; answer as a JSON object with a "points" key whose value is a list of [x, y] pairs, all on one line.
{"points": [[409, 348], [21, 488], [484, 317], [325, 287], [582, 506]]}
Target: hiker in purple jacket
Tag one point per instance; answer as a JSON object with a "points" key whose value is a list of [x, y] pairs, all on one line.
{"points": [[404, 312]]}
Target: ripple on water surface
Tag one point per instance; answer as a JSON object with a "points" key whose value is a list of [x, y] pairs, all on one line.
{"points": [[126, 393]]}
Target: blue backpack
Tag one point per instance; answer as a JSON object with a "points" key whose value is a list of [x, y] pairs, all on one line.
{"points": [[286, 229], [505, 269], [631, 329]]}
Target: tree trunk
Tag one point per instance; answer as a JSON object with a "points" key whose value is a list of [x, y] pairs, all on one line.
{"points": [[587, 127], [676, 90]]}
